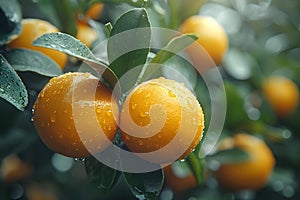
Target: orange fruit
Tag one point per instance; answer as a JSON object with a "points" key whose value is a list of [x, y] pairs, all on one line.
{"points": [[94, 10], [31, 30], [14, 169], [75, 115], [282, 94], [252, 174], [41, 190], [158, 113], [212, 36], [179, 180], [86, 34]]}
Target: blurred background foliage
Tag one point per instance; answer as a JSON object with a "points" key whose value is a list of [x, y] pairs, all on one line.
{"points": [[264, 40]]}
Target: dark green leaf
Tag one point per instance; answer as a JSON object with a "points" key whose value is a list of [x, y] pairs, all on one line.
{"points": [[73, 47], [12, 88], [129, 42], [100, 175], [60, 13], [145, 185], [228, 156], [29, 60], [197, 166], [137, 3], [175, 46], [10, 15], [66, 44], [8, 37]]}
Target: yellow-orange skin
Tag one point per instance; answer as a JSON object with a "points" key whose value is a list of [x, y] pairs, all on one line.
{"points": [[179, 185], [252, 174], [31, 30], [282, 94], [212, 36], [86, 34], [172, 98], [94, 11], [69, 111]]}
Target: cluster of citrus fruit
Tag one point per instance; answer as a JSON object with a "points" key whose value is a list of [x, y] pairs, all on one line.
{"points": [[67, 108], [73, 107]]}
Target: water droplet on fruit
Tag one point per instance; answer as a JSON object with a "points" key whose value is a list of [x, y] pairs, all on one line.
{"points": [[133, 106], [52, 118], [127, 137], [79, 159], [147, 95], [171, 93], [108, 113], [143, 114], [98, 110], [61, 136], [141, 142]]}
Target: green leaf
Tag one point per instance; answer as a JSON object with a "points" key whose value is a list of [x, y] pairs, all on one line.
{"points": [[175, 46], [145, 185], [197, 166], [100, 175], [8, 37], [12, 88], [10, 15], [137, 3], [65, 43], [182, 9], [10, 21], [129, 42], [60, 13], [73, 47], [29, 60], [229, 156]]}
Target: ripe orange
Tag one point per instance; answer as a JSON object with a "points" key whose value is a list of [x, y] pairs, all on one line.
{"points": [[212, 36], [282, 94], [252, 174], [86, 34], [69, 112], [94, 11], [31, 30], [179, 183], [157, 112]]}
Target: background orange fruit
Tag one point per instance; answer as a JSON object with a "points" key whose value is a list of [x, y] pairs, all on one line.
{"points": [[154, 113], [94, 10], [282, 94], [179, 183], [86, 34], [252, 174], [212, 36], [31, 30], [69, 112]]}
